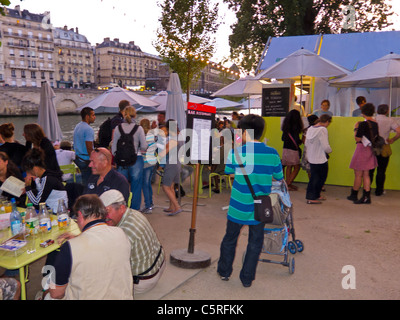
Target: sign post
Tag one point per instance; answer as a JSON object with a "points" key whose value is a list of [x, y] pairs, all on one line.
{"points": [[200, 121]]}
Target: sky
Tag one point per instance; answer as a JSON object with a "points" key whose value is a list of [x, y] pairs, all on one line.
{"points": [[131, 20], [127, 20]]}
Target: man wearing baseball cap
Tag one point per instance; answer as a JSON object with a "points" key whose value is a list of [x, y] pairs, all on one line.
{"points": [[147, 254]]}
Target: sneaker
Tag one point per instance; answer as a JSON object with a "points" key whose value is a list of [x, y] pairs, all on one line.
{"points": [[224, 278], [147, 211]]}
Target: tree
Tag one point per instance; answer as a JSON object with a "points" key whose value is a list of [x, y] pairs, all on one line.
{"points": [[184, 38], [258, 20], [4, 3]]}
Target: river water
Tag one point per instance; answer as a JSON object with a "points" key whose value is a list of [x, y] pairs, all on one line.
{"points": [[68, 122]]}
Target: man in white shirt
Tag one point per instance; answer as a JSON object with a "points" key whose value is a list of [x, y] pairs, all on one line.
{"points": [[385, 126]]}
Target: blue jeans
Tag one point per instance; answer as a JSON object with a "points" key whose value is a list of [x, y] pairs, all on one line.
{"points": [[147, 188], [228, 249], [85, 170], [135, 177]]}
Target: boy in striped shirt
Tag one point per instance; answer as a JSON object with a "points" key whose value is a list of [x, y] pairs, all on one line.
{"points": [[262, 164]]}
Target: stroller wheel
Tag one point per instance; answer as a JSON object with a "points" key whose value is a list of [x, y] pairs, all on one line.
{"points": [[292, 247], [291, 265], [299, 245]]}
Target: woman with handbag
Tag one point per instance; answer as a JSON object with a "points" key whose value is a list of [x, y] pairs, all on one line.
{"points": [[363, 158], [292, 127], [317, 144]]}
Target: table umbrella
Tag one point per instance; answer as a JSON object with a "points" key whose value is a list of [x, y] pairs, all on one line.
{"points": [[161, 98], [47, 114], [175, 107], [303, 63], [109, 100], [381, 73], [220, 103], [244, 87]]}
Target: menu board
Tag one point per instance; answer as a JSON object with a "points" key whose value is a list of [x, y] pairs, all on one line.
{"points": [[275, 101], [201, 119]]}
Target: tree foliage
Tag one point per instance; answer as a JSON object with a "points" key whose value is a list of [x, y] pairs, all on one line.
{"points": [[3, 3], [257, 20], [185, 36]]}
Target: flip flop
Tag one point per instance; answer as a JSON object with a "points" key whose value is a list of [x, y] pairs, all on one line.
{"points": [[174, 213], [313, 202]]}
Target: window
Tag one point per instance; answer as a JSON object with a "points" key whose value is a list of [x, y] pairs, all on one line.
{"points": [[13, 73], [33, 75]]}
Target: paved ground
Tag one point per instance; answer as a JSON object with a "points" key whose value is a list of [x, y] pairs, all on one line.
{"points": [[335, 234]]}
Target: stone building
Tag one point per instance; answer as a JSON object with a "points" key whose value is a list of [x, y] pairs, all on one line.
{"points": [[27, 50], [74, 59], [120, 64], [152, 71]]}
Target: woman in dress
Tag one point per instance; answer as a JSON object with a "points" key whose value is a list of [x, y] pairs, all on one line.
{"points": [[317, 144], [172, 167], [292, 127], [363, 158]]}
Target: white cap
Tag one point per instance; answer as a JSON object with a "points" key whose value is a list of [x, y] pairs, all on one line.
{"points": [[111, 196]]}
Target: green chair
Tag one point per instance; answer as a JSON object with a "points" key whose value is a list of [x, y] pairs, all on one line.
{"points": [[129, 200], [69, 168], [226, 177]]}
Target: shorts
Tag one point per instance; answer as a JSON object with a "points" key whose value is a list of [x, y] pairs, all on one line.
{"points": [[290, 157], [171, 174]]}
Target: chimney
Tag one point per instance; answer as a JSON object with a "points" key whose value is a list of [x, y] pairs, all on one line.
{"points": [[132, 42], [116, 40], [106, 39], [65, 28], [77, 30], [18, 8]]}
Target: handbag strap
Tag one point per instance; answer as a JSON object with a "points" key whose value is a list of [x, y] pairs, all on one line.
{"points": [[370, 132], [297, 147], [239, 161]]}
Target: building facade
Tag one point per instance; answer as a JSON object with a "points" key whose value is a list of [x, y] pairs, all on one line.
{"points": [[74, 59], [121, 64], [27, 50]]}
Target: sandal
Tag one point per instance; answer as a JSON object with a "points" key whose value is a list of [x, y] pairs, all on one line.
{"points": [[313, 202]]}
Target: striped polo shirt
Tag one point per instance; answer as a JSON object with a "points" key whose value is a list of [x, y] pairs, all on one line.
{"points": [[262, 164], [144, 242]]}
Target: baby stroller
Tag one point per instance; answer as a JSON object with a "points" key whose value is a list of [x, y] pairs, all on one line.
{"points": [[276, 234]]}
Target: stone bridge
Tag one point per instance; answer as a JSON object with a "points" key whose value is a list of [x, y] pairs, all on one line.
{"points": [[25, 101]]}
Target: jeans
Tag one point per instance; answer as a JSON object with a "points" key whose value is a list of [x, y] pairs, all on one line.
{"points": [[228, 249], [134, 175], [319, 173], [146, 187], [84, 169], [380, 174]]}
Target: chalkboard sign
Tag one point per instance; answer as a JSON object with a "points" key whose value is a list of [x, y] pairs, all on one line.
{"points": [[275, 102]]}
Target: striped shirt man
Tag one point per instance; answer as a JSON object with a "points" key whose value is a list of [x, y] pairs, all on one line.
{"points": [[145, 245], [262, 164]]}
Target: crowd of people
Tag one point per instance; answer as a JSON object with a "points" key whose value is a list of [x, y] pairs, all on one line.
{"points": [[108, 190]]}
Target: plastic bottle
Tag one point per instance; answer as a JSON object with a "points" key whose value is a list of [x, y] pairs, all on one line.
{"points": [[44, 218], [15, 219], [62, 215], [32, 220]]}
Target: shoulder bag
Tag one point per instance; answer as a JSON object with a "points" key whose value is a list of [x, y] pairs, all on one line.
{"points": [[262, 204], [377, 142]]}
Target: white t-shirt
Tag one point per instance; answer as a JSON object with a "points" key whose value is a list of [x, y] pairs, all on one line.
{"points": [[65, 157]]}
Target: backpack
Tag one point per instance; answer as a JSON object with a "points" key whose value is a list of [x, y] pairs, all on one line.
{"points": [[126, 154], [105, 133], [106, 128]]}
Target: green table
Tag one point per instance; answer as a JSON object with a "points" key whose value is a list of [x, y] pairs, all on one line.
{"points": [[9, 261]]}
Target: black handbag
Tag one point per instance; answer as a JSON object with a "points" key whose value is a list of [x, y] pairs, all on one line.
{"points": [[262, 204], [377, 142]]}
